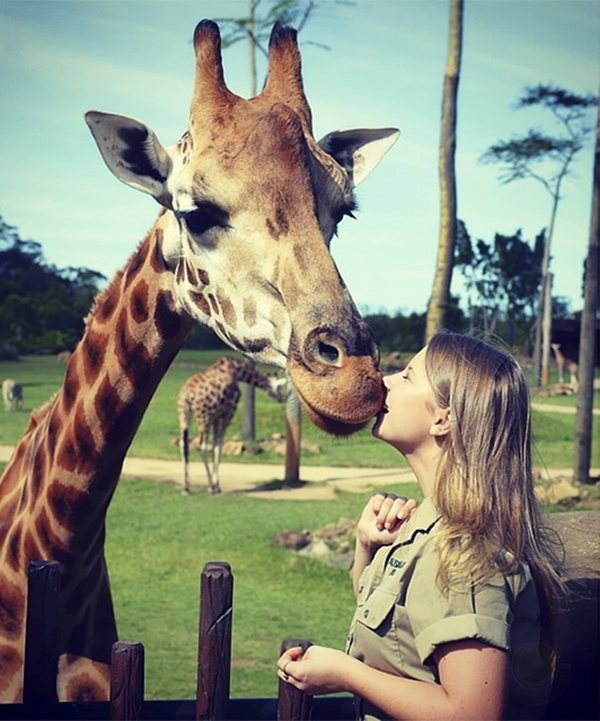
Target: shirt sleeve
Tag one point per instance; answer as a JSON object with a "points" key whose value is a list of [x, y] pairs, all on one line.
{"points": [[482, 614]]}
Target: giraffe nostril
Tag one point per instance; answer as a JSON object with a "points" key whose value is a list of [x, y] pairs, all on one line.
{"points": [[328, 353]]}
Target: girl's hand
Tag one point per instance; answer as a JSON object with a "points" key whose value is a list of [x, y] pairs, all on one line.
{"points": [[382, 518], [315, 671]]}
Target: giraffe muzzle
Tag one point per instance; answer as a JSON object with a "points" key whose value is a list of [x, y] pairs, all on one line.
{"points": [[341, 392]]}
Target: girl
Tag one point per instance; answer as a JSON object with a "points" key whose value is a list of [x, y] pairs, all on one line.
{"points": [[449, 619]]}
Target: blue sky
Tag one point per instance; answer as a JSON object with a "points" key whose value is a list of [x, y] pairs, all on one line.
{"points": [[385, 67]]}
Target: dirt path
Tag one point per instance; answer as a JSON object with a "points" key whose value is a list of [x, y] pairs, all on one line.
{"points": [[265, 480]]}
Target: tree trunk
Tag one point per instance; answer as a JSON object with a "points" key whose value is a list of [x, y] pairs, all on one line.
{"points": [[293, 436], [541, 358], [248, 430], [587, 343], [440, 293], [252, 44], [547, 330]]}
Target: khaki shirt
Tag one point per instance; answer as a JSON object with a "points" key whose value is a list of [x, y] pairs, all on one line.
{"points": [[401, 617]]}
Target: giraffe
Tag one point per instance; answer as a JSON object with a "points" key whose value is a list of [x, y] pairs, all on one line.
{"points": [[12, 394], [211, 397], [563, 362], [250, 202]]}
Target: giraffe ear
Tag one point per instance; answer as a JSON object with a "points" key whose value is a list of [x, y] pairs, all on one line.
{"points": [[132, 153], [358, 151]]}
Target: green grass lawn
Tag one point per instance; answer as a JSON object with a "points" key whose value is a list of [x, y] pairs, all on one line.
{"points": [[155, 560]]}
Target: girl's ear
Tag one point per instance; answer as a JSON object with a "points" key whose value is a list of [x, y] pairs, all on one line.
{"points": [[441, 423]]}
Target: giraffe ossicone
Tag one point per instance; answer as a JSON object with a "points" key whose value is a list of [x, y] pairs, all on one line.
{"points": [[250, 203]]}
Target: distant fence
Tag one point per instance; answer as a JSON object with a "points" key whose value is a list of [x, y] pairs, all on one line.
{"points": [[575, 692]]}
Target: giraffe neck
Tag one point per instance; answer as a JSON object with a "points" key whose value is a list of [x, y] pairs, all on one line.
{"points": [[131, 338], [56, 489], [245, 372]]}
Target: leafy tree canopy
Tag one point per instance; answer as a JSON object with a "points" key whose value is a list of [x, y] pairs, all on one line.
{"points": [[42, 307]]}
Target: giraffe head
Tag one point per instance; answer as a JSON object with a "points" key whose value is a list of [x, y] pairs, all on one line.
{"points": [[252, 204]]}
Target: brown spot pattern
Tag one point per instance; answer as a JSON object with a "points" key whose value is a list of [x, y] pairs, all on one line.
{"points": [[201, 302], [77, 449], [10, 662], [14, 549], [38, 473], [66, 502], [93, 350], [115, 416], [84, 689], [70, 389], [136, 263], [227, 311], [107, 303], [214, 308], [31, 548], [168, 323], [157, 262], [139, 302], [49, 540], [131, 354], [12, 609]]}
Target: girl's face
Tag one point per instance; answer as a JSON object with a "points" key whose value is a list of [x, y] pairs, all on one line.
{"points": [[410, 417]]}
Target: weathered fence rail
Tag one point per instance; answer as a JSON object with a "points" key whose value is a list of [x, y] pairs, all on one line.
{"points": [[575, 692], [127, 702]]}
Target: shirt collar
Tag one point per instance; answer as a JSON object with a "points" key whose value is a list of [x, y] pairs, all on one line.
{"points": [[424, 517]]}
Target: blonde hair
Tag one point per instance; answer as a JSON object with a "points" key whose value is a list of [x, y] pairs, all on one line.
{"points": [[484, 488]]}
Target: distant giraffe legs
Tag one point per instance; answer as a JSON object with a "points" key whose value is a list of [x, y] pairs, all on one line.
{"points": [[208, 460]]}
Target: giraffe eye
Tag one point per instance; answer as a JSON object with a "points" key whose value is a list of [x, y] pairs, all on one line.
{"points": [[205, 217]]}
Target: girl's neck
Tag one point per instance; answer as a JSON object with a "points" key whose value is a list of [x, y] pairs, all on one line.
{"points": [[424, 464]]}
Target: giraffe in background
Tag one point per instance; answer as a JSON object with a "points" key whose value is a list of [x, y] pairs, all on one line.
{"points": [[250, 203], [12, 394], [567, 364], [211, 398]]}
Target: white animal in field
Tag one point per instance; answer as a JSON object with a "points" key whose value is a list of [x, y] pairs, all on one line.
{"points": [[12, 394]]}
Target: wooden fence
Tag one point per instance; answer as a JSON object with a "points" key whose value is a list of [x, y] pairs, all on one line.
{"points": [[575, 691], [127, 666]]}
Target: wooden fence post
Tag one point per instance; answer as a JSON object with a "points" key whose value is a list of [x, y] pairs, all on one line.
{"points": [[293, 437], [214, 641], [293, 705], [41, 639], [126, 681]]}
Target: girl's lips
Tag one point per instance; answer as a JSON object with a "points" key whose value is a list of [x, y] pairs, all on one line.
{"points": [[382, 411]]}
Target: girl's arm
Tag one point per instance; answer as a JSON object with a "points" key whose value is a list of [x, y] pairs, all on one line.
{"points": [[472, 681], [378, 525]]}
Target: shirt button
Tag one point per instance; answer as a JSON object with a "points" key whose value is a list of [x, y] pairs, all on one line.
{"points": [[366, 613]]}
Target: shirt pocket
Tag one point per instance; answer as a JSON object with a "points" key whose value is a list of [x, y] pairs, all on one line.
{"points": [[376, 611], [374, 639]]}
